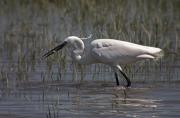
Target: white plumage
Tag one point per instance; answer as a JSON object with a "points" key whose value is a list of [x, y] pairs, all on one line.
{"points": [[120, 52], [107, 51]]}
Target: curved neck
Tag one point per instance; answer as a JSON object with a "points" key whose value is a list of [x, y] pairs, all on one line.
{"points": [[78, 51]]}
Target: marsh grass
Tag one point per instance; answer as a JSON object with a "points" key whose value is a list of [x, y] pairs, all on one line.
{"points": [[4, 79], [31, 28], [52, 112]]}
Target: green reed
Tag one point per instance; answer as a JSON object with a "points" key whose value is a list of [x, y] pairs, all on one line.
{"points": [[31, 28]]}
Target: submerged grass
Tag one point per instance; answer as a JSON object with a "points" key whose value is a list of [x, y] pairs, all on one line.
{"points": [[31, 28], [52, 112]]}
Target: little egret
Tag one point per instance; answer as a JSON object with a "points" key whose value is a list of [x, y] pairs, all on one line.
{"points": [[107, 51]]}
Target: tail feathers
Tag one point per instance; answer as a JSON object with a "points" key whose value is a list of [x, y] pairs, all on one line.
{"points": [[157, 53]]}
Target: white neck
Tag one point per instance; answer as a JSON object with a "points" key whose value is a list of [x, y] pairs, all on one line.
{"points": [[78, 51], [77, 55]]}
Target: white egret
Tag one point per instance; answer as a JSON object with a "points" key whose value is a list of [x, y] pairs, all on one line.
{"points": [[107, 51]]}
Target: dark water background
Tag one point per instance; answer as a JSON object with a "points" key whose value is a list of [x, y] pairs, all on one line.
{"points": [[57, 87]]}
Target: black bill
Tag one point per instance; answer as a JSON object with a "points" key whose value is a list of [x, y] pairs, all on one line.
{"points": [[54, 50]]}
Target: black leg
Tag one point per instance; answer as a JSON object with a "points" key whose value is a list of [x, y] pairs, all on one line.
{"points": [[116, 76], [127, 79]]}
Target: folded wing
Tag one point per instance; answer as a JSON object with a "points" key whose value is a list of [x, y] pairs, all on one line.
{"points": [[111, 51]]}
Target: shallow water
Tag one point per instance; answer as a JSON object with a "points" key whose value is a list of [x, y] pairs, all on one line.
{"points": [[90, 99]]}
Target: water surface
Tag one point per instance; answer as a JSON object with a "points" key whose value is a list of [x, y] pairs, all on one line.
{"points": [[90, 99]]}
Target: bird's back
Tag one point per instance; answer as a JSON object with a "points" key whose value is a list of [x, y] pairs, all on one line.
{"points": [[116, 51]]}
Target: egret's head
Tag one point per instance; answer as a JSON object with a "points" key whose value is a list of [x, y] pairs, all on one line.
{"points": [[71, 39], [72, 42]]}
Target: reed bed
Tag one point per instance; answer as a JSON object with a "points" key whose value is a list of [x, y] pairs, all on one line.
{"points": [[28, 29]]}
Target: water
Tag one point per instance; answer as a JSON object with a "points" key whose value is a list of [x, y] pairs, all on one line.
{"points": [[90, 99]]}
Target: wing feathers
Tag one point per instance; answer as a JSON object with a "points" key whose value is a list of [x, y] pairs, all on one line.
{"points": [[145, 56], [109, 50]]}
